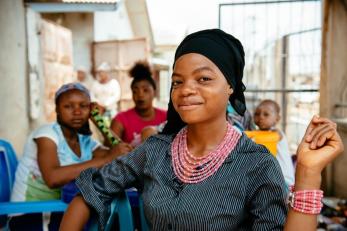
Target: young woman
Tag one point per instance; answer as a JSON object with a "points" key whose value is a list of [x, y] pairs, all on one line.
{"points": [[129, 124], [56, 153], [202, 173]]}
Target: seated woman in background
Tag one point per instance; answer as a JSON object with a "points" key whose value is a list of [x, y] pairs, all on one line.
{"points": [[129, 124], [266, 116], [56, 153]]}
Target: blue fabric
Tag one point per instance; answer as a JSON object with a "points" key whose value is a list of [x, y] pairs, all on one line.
{"points": [[66, 155], [69, 87]]}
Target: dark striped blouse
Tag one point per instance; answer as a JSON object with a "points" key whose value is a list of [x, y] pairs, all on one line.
{"points": [[246, 193]]}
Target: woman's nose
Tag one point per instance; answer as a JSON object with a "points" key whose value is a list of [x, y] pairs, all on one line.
{"points": [[188, 88], [77, 110]]}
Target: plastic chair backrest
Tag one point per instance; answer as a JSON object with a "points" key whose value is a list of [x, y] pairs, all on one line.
{"points": [[8, 166], [267, 138], [120, 206]]}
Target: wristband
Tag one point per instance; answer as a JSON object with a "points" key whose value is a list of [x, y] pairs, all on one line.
{"points": [[306, 201]]}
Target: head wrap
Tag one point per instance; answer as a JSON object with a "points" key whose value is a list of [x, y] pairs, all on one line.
{"points": [[69, 87], [227, 53], [85, 129]]}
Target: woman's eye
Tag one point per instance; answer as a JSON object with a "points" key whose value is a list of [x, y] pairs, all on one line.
{"points": [[204, 79], [67, 106], [85, 106], [175, 83]]}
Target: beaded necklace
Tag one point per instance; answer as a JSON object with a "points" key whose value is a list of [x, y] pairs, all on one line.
{"points": [[191, 169]]}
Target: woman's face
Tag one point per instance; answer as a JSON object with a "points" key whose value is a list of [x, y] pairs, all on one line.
{"points": [[73, 108], [143, 94], [103, 77], [200, 91]]}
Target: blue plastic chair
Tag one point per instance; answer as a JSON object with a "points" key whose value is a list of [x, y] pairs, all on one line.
{"points": [[120, 206], [8, 166], [144, 225]]}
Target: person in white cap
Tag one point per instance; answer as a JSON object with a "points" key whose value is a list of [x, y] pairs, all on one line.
{"points": [[106, 91], [83, 77]]}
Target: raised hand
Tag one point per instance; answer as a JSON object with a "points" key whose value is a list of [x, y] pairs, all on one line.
{"points": [[320, 144]]}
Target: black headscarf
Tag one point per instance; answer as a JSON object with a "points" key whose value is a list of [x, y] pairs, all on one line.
{"points": [[227, 53]]}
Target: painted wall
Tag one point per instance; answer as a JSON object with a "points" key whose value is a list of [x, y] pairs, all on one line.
{"points": [[112, 25], [82, 27], [14, 122]]}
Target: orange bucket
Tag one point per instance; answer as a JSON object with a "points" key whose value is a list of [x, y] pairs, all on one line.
{"points": [[267, 138]]}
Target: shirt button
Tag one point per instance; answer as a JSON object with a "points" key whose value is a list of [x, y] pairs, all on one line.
{"points": [[169, 226]]}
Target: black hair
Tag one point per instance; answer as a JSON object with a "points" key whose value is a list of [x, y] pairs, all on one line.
{"points": [[141, 71], [273, 103]]}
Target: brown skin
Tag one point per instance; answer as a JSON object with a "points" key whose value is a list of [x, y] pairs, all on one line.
{"points": [[265, 116], [103, 77], [81, 75], [143, 95], [200, 94], [147, 132], [73, 109]]}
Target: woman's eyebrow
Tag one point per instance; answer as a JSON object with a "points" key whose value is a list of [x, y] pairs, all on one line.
{"points": [[204, 68]]}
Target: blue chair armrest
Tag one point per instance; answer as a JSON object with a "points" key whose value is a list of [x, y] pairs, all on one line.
{"points": [[32, 207]]}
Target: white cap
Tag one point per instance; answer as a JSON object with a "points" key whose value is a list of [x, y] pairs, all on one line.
{"points": [[104, 67]]}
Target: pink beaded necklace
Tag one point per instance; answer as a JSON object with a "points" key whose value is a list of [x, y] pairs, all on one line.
{"points": [[190, 169]]}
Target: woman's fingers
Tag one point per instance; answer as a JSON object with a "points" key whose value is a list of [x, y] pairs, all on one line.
{"points": [[320, 134], [309, 129], [315, 126]]}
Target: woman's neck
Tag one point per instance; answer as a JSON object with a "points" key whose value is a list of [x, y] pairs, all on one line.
{"points": [[146, 114], [69, 133], [204, 138]]}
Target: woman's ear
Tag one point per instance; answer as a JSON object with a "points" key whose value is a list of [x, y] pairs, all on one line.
{"points": [[231, 91]]}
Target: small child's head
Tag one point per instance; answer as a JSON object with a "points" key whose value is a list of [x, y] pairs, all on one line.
{"points": [[267, 114]]}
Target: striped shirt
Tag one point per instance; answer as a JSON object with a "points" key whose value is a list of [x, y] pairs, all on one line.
{"points": [[246, 193]]}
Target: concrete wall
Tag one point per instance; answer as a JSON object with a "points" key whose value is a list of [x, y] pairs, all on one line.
{"points": [[112, 25], [82, 27], [333, 87], [14, 122]]}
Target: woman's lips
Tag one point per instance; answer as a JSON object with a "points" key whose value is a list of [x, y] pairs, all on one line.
{"points": [[189, 106], [77, 121]]}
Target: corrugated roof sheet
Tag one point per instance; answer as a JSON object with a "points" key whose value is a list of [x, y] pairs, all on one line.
{"points": [[91, 1]]}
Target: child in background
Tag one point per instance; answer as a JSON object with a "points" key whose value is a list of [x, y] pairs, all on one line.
{"points": [[266, 116]]}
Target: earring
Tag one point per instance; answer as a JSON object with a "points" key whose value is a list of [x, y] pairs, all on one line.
{"points": [[230, 91]]}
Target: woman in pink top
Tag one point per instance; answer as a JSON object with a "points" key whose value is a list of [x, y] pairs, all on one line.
{"points": [[129, 124]]}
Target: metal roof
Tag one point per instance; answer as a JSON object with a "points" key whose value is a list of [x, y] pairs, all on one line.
{"points": [[60, 6]]}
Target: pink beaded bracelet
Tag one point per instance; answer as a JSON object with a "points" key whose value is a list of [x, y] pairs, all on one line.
{"points": [[306, 201]]}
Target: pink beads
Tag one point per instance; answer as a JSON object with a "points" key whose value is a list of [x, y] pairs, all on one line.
{"points": [[191, 169], [306, 201]]}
